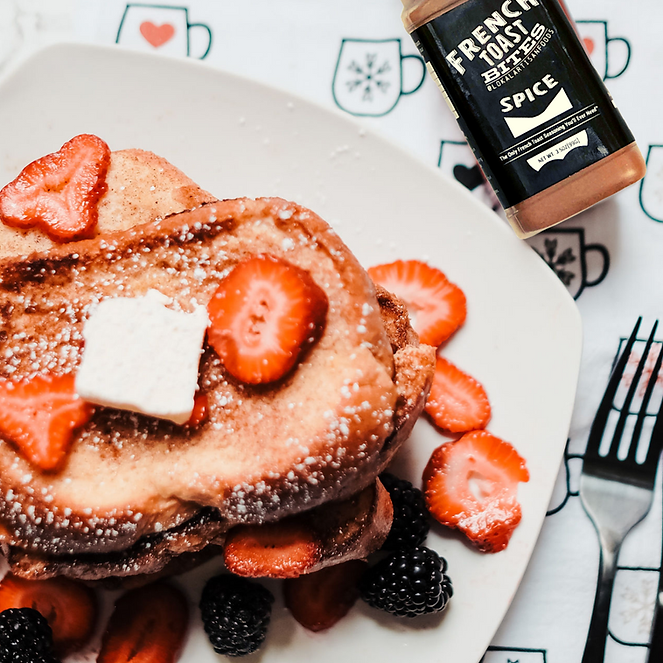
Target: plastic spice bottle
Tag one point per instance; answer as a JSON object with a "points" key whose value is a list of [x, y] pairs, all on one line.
{"points": [[538, 117]]}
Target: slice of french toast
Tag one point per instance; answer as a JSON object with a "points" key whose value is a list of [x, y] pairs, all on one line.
{"points": [[352, 531], [323, 434], [141, 187], [346, 529]]}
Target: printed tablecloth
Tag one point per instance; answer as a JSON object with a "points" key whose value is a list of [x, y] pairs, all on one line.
{"points": [[355, 56]]}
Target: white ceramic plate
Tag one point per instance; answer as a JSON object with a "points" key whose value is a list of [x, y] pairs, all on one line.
{"points": [[522, 338]]}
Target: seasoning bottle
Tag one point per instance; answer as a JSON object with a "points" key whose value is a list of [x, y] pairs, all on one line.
{"points": [[538, 117]]}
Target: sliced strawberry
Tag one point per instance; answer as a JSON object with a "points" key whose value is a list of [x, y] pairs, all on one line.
{"points": [[69, 607], [275, 550], [319, 600], [471, 484], [40, 416], [457, 402], [148, 625], [264, 314], [200, 410], [59, 193], [436, 306]]}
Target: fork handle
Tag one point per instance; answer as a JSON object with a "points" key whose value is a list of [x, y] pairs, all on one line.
{"points": [[598, 627]]}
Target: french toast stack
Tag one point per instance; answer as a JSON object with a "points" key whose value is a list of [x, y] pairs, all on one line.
{"points": [[289, 465]]}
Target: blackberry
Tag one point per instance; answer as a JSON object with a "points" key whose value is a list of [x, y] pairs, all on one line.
{"points": [[236, 614], [408, 583], [411, 524], [25, 637]]}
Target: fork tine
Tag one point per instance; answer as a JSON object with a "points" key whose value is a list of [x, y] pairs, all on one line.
{"points": [[643, 412], [626, 407], [598, 426], [656, 443]]}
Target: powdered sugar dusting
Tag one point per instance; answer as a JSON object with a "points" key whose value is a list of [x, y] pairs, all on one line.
{"points": [[305, 439]]}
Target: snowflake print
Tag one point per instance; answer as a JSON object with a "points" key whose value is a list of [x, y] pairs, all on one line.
{"points": [[369, 77], [639, 600], [558, 262]]}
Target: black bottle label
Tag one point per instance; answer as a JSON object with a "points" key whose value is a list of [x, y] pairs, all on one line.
{"points": [[524, 92]]}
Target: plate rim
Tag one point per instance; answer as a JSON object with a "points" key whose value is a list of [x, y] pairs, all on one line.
{"points": [[575, 320]]}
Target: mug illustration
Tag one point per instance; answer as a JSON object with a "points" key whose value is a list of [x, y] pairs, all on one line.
{"points": [[515, 655], [632, 608], [568, 482], [565, 252], [165, 29], [457, 160], [651, 187], [610, 56], [370, 74]]}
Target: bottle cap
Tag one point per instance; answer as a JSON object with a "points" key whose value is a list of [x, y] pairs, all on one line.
{"points": [[417, 12]]}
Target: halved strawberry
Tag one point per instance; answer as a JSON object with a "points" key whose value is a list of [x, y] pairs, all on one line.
{"points": [[69, 607], [457, 402], [200, 410], [148, 625], [274, 550], [319, 600], [40, 415], [436, 306], [59, 192], [264, 314], [471, 484]]}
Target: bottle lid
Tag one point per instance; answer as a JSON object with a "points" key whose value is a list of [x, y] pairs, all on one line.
{"points": [[417, 12]]}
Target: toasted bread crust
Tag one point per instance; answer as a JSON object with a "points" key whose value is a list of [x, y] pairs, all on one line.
{"points": [[141, 187], [396, 320], [349, 529], [354, 528], [156, 475], [174, 551]]}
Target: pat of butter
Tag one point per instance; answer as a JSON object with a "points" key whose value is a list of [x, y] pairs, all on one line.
{"points": [[141, 356]]}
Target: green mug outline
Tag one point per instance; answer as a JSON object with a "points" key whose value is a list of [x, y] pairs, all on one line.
{"points": [[402, 93], [492, 202], [516, 650], [651, 147], [629, 51], [186, 18], [583, 249]]}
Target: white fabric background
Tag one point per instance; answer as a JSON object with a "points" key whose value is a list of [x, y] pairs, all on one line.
{"points": [[295, 45]]}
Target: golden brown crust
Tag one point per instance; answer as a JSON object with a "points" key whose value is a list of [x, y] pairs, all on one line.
{"points": [[414, 367], [326, 422], [349, 529], [154, 555], [396, 320], [355, 528]]}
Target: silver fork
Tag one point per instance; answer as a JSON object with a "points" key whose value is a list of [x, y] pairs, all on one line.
{"points": [[617, 494]]}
